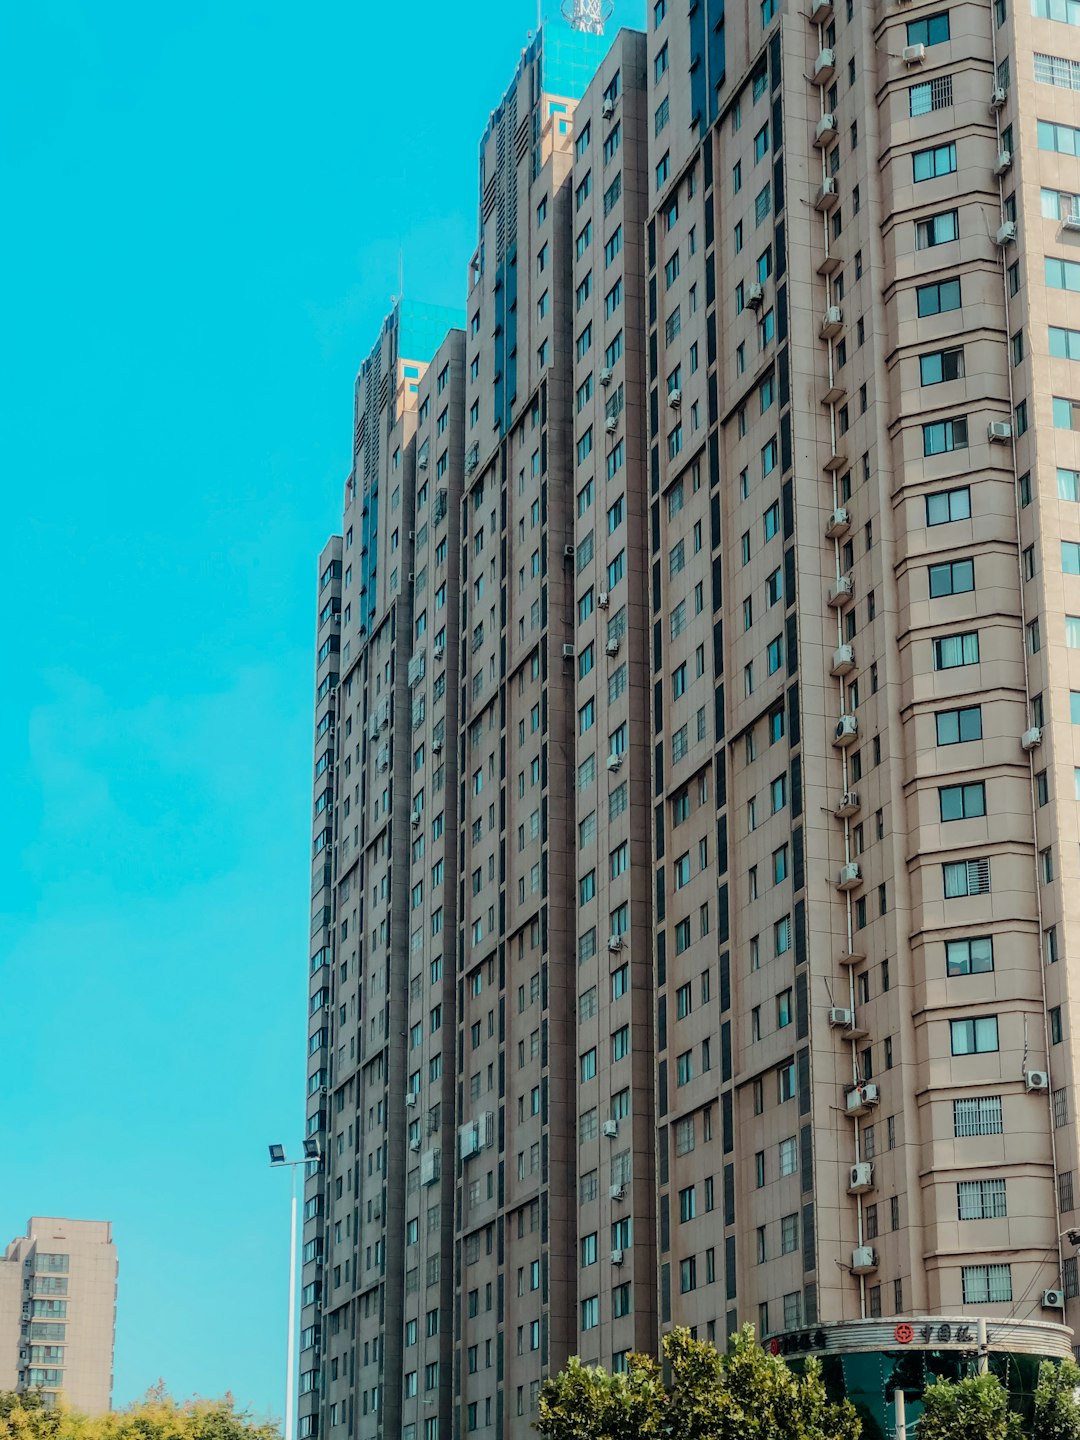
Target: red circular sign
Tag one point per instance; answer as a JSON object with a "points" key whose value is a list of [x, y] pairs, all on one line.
{"points": [[774, 1347], [904, 1333]]}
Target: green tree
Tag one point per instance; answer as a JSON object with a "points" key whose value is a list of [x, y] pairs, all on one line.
{"points": [[156, 1417], [744, 1394], [1057, 1414], [976, 1408]]}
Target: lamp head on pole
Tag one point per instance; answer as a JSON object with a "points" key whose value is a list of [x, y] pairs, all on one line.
{"points": [[277, 1154], [312, 1148]]}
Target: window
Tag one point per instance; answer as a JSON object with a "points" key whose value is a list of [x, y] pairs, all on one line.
{"points": [[1060, 139], [1066, 11], [1064, 344], [954, 577], [956, 726], [946, 505], [978, 1116], [986, 1284], [974, 1037], [934, 30], [941, 436], [937, 229], [934, 94], [974, 956], [962, 802], [966, 877], [953, 650], [938, 298], [1062, 274]]}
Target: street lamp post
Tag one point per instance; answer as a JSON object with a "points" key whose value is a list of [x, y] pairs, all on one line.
{"points": [[278, 1160]]}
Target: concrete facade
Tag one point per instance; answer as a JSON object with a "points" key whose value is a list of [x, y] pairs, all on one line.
{"points": [[58, 1312]]}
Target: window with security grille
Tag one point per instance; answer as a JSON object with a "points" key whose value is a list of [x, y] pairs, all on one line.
{"points": [[1065, 1190], [966, 877], [936, 94], [1056, 70], [986, 1284], [980, 1115], [981, 1200], [1061, 1108]]}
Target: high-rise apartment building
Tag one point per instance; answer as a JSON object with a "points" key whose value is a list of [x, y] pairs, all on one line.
{"points": [[856, 453], [378, 1212], [728, 976], [58, 1312]]}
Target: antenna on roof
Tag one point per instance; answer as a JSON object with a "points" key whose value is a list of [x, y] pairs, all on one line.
{"points": [[588, 15]]}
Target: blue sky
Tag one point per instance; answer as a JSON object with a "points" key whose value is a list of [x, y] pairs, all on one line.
{"points": [[204, 210]]}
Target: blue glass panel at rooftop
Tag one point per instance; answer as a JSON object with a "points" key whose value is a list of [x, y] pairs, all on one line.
{"points": [[569, 58], [423, 328]]}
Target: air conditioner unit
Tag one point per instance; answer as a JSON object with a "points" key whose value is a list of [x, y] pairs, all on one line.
{"points": [[608, 109], [568, 552], [614, 762], [611, 1129], [616, 1257], [840, 592], [839, 523], [861, 1178], [1004, 163], [843, 660], [820, 11], [832, 322], [1053, 1299], [439, 651], [1072, 222], [827, 195], [1006, 233], [755, 295], [999, 431], [998, 97], [617, 1192], [614, 943], [674, 399], [1035, 1080], [415, 819], [414, 1145], [373, 728], [863, 1260], [568, 652], [436, 747], [410, 1097], [612, 646], [611, 424], [849, 876], [602, 600], [825, 133], [913, 54], [1032, 738], [840, 1018], [824, 67], [848, 804], [605, 376], [862, 1098], [847, 730]]}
